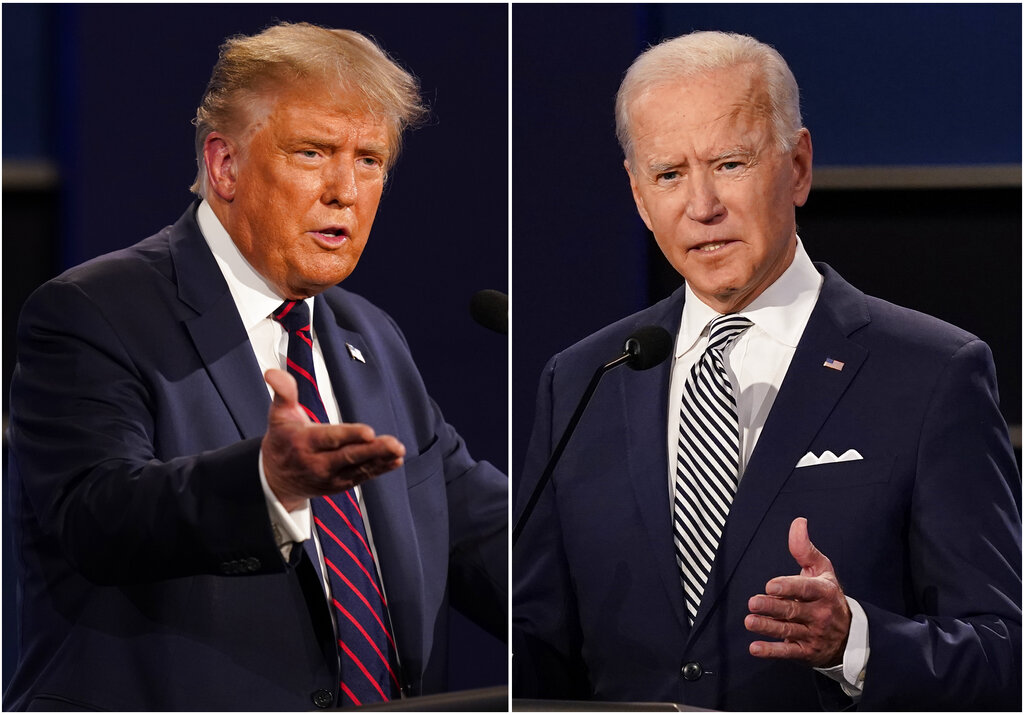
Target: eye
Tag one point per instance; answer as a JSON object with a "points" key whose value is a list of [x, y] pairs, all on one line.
{"points": [[730, 165], [308, 153], [667, 176]]}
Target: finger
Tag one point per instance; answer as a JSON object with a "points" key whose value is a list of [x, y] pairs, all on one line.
{"points": [[810, 615], [286, 390], [393, 446], [381, 466], [335, 436], [781, 649], [771, 628], [778, 608], [285, 408], [799, 588], [383, 450], [353, 475], [803, 551]]}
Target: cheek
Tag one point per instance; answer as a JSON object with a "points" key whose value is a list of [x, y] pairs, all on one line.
{"points": [[673, 249], [777, 210], [367, 209], [667, 214], [754, 210]]}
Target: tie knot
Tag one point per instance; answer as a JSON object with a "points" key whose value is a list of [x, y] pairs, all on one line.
{"points": [[293, 315], [724, 329]]}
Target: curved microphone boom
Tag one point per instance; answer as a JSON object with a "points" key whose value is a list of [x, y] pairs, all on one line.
{"points": [[489, 308], [646, 347]]}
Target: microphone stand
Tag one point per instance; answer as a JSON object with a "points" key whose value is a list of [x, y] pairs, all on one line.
{"points": [[632, 350]]}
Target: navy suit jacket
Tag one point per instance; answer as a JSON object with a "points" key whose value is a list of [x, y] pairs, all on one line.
{"points": [[924, 531], [150, 577]]}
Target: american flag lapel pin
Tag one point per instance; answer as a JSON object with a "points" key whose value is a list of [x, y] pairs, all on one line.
{"points": [[355, 353], [833, 363]]}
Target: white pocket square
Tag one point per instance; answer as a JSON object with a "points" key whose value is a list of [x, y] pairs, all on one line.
{"points": [[828, 457]]}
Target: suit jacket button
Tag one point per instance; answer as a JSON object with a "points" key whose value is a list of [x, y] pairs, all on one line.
{"points": [[692, 670], [323, 698]]}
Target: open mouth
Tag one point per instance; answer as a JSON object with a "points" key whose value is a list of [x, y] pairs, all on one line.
{"points": [[331, 235], [711, 247]]}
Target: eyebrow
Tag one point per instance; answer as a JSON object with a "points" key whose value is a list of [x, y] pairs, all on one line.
{"points": [[661, 166], [373, 148], [315, 143], [738, 151]]}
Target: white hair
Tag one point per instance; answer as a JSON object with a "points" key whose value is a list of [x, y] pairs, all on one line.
{"points": [[700, 53]]}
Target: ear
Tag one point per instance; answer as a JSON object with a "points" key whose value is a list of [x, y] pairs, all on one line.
{"points": [[221, 157], [802, 155], [637, 198]]}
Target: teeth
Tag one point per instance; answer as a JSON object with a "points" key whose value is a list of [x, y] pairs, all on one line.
{"points": [[708, 247]]}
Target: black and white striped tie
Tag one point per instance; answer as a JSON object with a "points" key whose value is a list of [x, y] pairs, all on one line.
{"points": [[707, 460]]}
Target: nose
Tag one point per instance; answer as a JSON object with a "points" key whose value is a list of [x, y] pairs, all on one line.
{"points": [[339, 180], [704, 205]]}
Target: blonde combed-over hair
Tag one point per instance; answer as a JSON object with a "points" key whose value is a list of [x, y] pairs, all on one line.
{"points": [[252, 69]]}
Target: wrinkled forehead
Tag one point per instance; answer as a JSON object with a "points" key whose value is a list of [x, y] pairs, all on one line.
{"points": [[730, 90], [338, 97], [718, 101]]}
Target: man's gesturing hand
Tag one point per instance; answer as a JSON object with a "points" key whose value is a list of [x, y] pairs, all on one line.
{"points": [[808, 612], [302, 459]]}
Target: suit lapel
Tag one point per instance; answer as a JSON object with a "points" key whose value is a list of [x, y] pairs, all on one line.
{"points": [[216, 329], [358, 383], [645, 405], [363, 396], [806, 398]]}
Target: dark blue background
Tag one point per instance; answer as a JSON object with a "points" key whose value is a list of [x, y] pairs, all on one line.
{"points": [[889, 84]]}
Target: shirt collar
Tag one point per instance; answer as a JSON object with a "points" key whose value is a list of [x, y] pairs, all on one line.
{"points": [[781, 311], [254, 297]]}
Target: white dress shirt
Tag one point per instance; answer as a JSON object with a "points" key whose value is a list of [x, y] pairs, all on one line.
{"points": [[756, 363]]}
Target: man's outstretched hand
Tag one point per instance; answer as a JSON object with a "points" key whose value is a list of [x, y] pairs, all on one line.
{"points": [[302, 459], [808, 612]]}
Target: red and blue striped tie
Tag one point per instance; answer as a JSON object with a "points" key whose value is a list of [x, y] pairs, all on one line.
{"points": [[368, 662]]}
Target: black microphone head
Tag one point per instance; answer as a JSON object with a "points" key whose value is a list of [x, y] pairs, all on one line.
{"points": [[648, 346], [489, 308]]}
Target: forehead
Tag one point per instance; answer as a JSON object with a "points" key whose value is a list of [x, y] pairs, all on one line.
{"points": [[318, 112], [727, 105]]}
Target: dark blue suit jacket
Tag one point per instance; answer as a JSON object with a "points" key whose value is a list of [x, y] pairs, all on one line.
{"points": [[924, 532], [150, 576]]}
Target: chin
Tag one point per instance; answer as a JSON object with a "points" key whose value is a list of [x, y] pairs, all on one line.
{"points": [[321, 276], [718, 286]]}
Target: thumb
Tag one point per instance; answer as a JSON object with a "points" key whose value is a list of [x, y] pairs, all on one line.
{"points": [[286, 395], [804, 552]]}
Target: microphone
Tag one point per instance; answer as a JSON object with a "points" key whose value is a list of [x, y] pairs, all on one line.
{"points": [[489, 308], [646, 347]]}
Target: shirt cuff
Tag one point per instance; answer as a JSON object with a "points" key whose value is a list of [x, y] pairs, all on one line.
{"points": [[290, 527], [850, 673]]}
